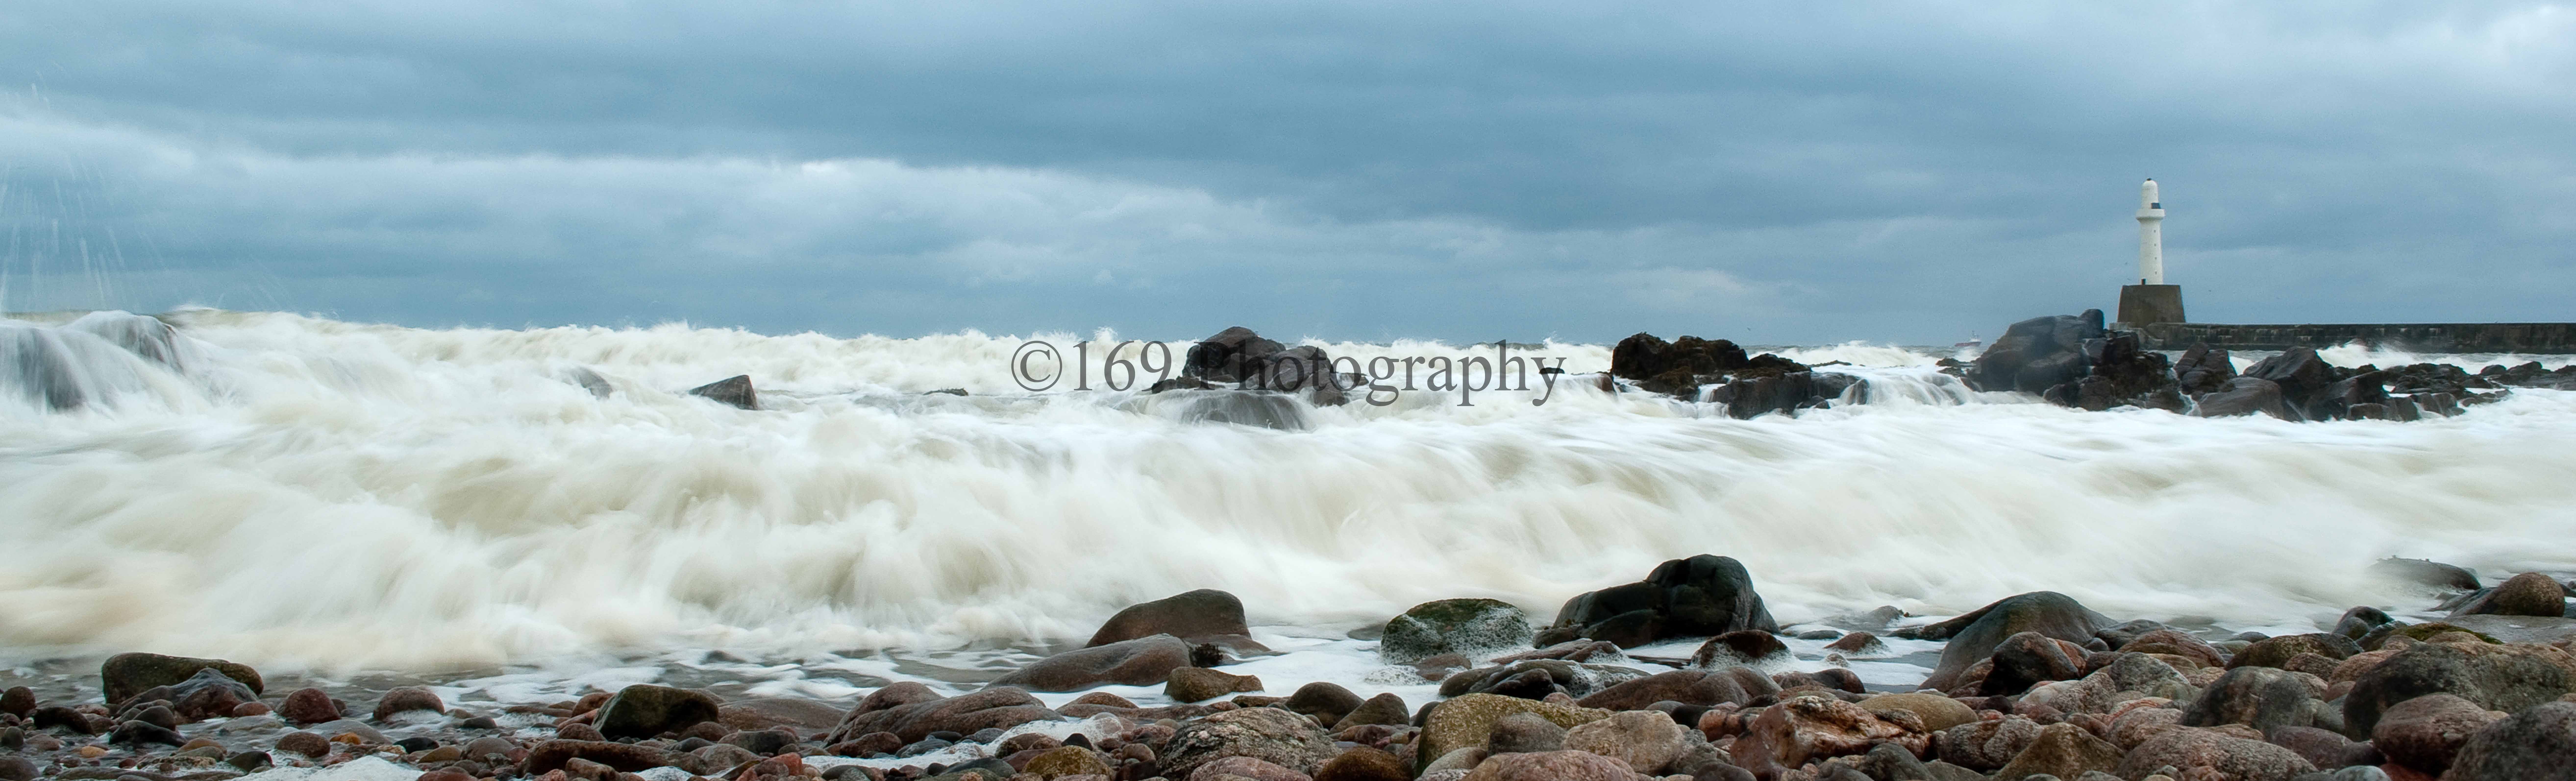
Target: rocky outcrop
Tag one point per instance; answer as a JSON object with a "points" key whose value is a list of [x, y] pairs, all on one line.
{"points": [[1701, 596], [1745, 386]]}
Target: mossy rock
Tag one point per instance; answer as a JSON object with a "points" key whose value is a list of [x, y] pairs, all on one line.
{"points": [[1453, 626]]}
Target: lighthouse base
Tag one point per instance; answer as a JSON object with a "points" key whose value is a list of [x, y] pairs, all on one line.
{"points": [[2144, 304]]}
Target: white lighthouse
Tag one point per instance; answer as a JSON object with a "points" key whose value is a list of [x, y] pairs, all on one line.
{"points": [[2151, 235], [2150, 301]]}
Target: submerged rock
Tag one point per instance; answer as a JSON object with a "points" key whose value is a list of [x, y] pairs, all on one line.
{"points": [[735, 391]]}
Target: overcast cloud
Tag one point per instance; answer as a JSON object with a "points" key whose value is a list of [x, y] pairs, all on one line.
{"points": [[1910, 172]]}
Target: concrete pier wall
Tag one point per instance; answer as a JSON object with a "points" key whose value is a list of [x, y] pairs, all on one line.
{"points": [[2535, 338]]}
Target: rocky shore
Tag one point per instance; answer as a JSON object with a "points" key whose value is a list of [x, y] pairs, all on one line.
{"points": [[2033, 687]]}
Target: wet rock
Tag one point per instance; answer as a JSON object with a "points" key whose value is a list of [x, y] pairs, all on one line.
{"points": [[1975, 636], [308, 706], [17, 768], [2507, 678], [1453, 626], [2244, 396], [1701, 596], [2302, 377], [61, 718], [2278, 651], [124, 675], [911, 719], [2259, 697], [2322, 748], [2063, 750], [2203, 369], [2037, 354], [1986, 746], [1202, 616], [579, 731], [1327, 702], [1811, 727], [1858, 645], [1749, 647], [305, 743], [1690, 687], [2213, 754], [1537, 678], [2171, 642], [1365, 764], [1143, 661], [764, 742], [2359, 621], [138, 732], [1937, 712], [250, 761], [773, 712], [1551, 766], [1068, 761], [1647, 740], [2527, 594], [1467, 720], [354, 728], [1198, 684], [1229, 356], [735, 391], [2421, 572], [2425, 733], [18, 701], [2538, 744], [1386, 708], [407, 699], [2028, 658], [2129, 676], [622, 757], [1268, 734]]}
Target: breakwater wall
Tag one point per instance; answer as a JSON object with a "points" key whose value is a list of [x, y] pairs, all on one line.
{"points": [[2531, 338]]}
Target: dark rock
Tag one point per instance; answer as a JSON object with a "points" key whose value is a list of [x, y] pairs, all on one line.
{"points": [[1701, 596], [1327, 702], [2538, 744], [304, 743], [1749, 647], [1453, 626], [1143, 661], [406, 699], [2176, 643], [1199, 684], [2201, 753], [1748, 397], [415, 745], [2278, 651], [2037, 354], [2028, 658], [2244, 396], [1385, 708], [646, 710], [1523, 733], [1365, 764], [2203, 369], [2303, 379], [2420, 632], [765, 742], [2124, 373], [1690, 687], [2527, 594], [1202, 616], [18, 701], [308, 706], [2065, 751], [2320, 747], [911, 719], [16, 768], [2496, 677], [1267, 734], [735, 391], [250, 761], [1975, 636], [1537, 678], [774, 712], [62, 718], [623, 757], [2357, 622], [1857, 644], [124, 675], [2425, 733], [2259, 697], [141, 732], [1221, 358], [207, 695]]}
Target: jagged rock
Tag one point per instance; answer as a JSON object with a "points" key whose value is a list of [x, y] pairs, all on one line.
{"points": [[2203, 369], [2124, 373], [1701, 596], [1975, 636], [1221, 358], [1453, 626], [735, 391], [2302, 378], [124, 675], [1674, 367], [2244, 396], [2037, 354]]}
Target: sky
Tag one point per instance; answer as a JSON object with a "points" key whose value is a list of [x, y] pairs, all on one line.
{"points": [[1915, 172]]}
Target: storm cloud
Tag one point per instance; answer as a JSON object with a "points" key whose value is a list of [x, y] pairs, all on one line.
{"points": [[1906, 172]]}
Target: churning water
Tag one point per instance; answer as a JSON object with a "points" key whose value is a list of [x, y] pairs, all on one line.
{"points": [[304, 493]]}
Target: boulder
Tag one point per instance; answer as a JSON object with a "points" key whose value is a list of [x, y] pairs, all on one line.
{"points": [[1689, 687], [1202, 616], [2358, 622], [1805, 728], [1267, 734], [1858, 645], [1467, 720], [1744, 648], [2028, 658], [210, 694], [644, 710], [1975, 636], [1701, 596], [2278, 651], [308, 706], [1986, 746], [407, 699], [2203, 369], [2259, 697], [2214, 755], [1648, 741], [1365, 764], [1326, 701], [2506, 678], [1462, 626], [2175, 643], [2527, 594], [2037, 354], [1385, 708], [1551, 766], [1937, 712], [2124, 373], [1525, 732], [2129, 676], [1143, 661], [1678, 367], [18, 701], [2425, 733], [2065, 751], [911, 719], [1068, 761], [124, 675], [1221, 358], [2243, 396], [2538, 744], [1199, 684], [735, 391]]}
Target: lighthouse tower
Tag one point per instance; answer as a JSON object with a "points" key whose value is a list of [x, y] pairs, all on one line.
{"points": [[2150, 300]]}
